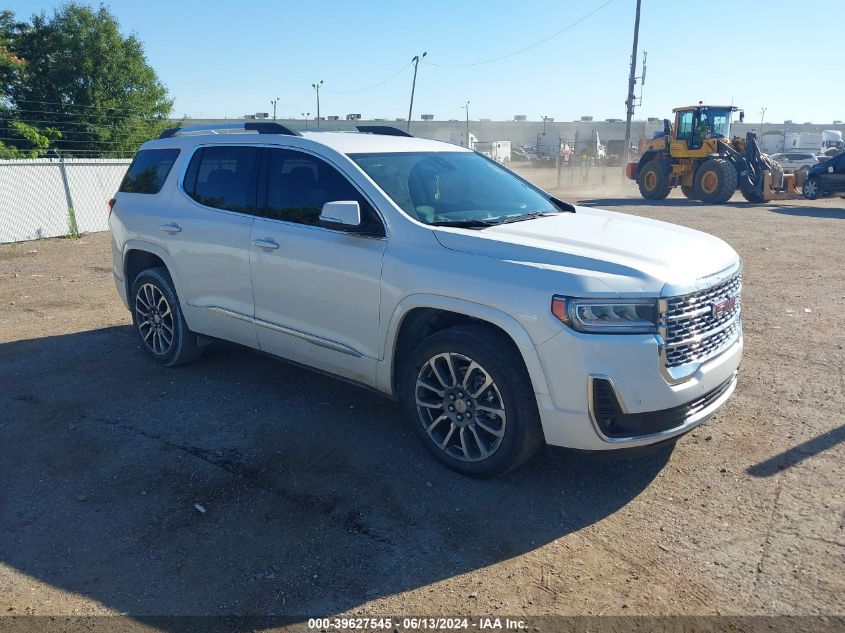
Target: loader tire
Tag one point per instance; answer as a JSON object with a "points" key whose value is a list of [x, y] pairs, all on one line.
{"points": [[715, 181], [689, 191], [752, 196], [653, 180]]}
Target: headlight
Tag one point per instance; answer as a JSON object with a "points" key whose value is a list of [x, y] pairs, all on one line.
{"points": [[607, 316]]}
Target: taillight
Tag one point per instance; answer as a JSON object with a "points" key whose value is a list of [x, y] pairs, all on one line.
{"points": [[111, 205]]}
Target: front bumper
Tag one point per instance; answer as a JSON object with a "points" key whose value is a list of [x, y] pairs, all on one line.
{"points": [[655, 408]]}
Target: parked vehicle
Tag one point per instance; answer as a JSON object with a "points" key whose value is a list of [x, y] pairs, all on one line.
{"points": [[832, 140], [524, 153], [500, 151], [826, 178], [500, 315], [615, 152], [796, 161]]}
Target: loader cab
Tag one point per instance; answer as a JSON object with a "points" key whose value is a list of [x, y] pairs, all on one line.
{"points": [[696, 125]]}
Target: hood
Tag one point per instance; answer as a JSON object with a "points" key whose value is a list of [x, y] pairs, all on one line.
{"points": [[625, 252]]}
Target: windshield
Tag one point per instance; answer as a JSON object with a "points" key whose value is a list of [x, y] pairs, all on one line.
{"points": [[453, 187], [715, 122]]}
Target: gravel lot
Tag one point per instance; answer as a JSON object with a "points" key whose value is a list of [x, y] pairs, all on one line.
{"points": [[317, 499]]}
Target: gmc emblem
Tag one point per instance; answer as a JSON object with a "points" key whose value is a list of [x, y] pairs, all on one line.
{"points": [[722, 307]]}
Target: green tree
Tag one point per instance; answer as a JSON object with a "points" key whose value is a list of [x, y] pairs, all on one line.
{"points": [[79, 77]]}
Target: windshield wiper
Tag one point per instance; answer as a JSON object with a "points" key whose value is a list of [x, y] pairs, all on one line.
{"points": [[464, 224], [526, 216]]}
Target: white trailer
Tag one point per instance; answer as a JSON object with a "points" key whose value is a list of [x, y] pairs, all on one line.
{"points": [[499, 151]]}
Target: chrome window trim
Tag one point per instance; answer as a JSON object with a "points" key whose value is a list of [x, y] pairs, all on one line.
{"points": [[189, 155]]}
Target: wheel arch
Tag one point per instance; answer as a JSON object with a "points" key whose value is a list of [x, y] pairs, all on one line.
{"points": [[421, 315], [139, 256]]}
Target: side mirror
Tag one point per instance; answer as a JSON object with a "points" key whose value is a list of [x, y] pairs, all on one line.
{"points": [[342, 216]]}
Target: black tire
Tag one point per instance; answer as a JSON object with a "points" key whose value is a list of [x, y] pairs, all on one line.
{"points": [[752, 196], [715, 181], [812, 188], [153, 295], [653, 180], [688, 191], [511, 391]]}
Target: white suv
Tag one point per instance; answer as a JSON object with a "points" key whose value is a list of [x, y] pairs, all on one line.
{"points": [[502, 316]]}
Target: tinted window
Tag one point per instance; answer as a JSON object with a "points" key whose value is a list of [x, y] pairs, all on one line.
{"points": [[224, 177], [149, 170], [298, 185], [452, 186]]}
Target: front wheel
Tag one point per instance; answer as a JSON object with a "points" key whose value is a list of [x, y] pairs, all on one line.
{"points": [[812, 188], [715, 181], [471, 401]]}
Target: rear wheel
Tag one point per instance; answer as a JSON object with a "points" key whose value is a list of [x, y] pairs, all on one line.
{"points": [[715, 181], [812, 188], [158, 319], [471, 401], [688, 191], [653, 180]]}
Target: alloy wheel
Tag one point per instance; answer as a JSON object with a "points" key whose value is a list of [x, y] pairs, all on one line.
{"points": [[460, 407], [154, 318]]}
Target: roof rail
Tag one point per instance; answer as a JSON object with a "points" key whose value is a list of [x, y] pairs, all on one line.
{"points": [[260, 127], [385, 130]]}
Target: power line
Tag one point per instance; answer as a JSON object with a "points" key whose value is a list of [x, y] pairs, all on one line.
{"points": [[526, 48], [376, 85]]}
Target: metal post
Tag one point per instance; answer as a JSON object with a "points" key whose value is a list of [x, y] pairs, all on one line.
{"points": [[416, 61], [466, 107], [71, 215], [631, 81], [316, 86]]}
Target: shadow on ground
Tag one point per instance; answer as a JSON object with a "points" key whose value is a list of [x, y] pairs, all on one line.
{"points": [[798, 454], [314, 496], [813, 212]]}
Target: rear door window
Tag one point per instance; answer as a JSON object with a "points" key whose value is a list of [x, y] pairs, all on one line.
{"points": [[149, 170], [224, 177]]}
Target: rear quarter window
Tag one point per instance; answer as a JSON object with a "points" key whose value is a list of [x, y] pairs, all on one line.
{"points": [[149, 170]]}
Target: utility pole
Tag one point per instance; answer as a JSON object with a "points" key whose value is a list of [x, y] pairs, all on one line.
{"points": [[416, 62], [274, 102], [305, 116], [316, 87], [544, 125], [631, 81], [466, 107], [762, 115]]}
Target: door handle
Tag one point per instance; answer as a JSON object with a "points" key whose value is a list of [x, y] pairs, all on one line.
{"points": [[171, 228], [266, 244]]}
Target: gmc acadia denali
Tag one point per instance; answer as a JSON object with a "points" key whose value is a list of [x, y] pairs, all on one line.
{"points": [[500, 315]]}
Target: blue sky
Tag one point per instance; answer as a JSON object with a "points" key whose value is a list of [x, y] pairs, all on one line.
{"points": [[227, 59]]}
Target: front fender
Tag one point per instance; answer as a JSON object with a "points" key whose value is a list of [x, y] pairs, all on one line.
{"points": [[520, 337]]}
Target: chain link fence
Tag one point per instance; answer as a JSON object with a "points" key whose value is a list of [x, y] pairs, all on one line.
{"points": [[55, 197]]}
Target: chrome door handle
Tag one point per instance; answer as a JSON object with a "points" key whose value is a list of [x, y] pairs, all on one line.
{"points": [[266, 243], [171, 228]]}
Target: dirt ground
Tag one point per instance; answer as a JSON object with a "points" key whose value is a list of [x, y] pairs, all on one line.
{"points": [[316, 498]]}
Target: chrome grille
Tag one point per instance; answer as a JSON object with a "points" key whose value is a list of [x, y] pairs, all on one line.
{"points": [[693, 332]]}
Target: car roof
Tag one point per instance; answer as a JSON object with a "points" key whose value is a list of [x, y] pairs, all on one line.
{"points": [[343, 142]]}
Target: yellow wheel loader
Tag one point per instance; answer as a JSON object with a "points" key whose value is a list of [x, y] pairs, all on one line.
{"points": [[698, 155]]}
